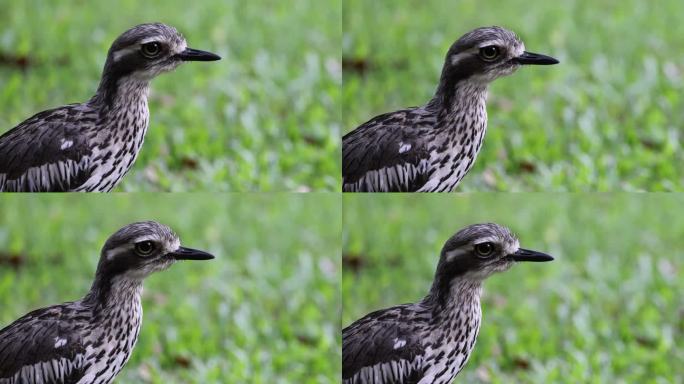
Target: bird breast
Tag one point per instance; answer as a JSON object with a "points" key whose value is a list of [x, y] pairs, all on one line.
{"points": [[456, 148], [118, 143], [111, 341]]}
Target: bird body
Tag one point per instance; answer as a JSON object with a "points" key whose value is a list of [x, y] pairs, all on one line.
{"points": [[81, 147], [89, 147], [432, 147], [90, 340], [76, 342], [430, 341], [441, 349]]}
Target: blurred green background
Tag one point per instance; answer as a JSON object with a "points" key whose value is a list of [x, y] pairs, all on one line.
{"points": [[266, 310], [266, 117], [608, 118], [608, 309]]}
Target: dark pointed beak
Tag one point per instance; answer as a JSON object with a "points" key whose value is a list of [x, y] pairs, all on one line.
{"points": [[527, 255], [196, 55], [183, 253], [535, 59]]}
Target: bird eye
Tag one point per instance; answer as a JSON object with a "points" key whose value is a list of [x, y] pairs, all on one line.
{"points": [[151, 50], [489, 52], [484, 249], [144, 248]]}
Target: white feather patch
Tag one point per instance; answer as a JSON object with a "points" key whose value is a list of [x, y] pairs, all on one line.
{"points": [[398, 343], [404, 147], [59, 342]]}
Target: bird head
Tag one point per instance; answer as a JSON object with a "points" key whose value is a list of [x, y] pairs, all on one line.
{"points": [[139, 249], [484, 54], [480, 250], [148, 50]]}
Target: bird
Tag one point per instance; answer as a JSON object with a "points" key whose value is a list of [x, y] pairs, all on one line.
{"points": [[89, 147], [429, 342], [89, 341], [431, 148]]}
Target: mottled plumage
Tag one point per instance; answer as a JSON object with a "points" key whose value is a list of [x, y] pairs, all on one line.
{"points": [[429, 342], [431, 148], [90, 146], [88, 341]]}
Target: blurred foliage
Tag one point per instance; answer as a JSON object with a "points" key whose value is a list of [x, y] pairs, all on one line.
{"points": [[266, 310], [266, 117], [608, 309], [608, 118]]}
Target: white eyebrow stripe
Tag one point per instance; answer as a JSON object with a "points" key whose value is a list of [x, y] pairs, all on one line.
{"points": [[113, 252], [486, 240], [151, 39], [461, 55], [455, 253], [491, 42], [117, 55], [145, 238]]}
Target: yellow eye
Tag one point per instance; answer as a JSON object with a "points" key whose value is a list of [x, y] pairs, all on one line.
{"points": [[151, 50], [484, 249], [489, 52], [144, 248]]}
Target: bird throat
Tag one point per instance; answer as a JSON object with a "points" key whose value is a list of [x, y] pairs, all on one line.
{"points": [[116, 92], [115, 293], [129, 106], [466, 95], [450, 296]]}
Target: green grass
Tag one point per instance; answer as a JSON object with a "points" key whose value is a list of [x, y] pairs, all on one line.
{"points": [[266, 310], [608, 118], [608, 309], [265, 118]]}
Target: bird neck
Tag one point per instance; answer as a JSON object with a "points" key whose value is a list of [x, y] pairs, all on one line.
{"points": [[456, 295], [458, 97], [117, 93], [115, 293]]}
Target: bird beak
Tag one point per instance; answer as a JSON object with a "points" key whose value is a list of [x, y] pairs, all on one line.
{"points": [[190, 54], [535, 58], [527, 255], [183, 253]]}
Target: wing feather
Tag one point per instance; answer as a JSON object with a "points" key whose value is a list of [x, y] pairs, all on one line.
{"points": [[382, 347], [42, 345], [386, 154], [46, 153]]}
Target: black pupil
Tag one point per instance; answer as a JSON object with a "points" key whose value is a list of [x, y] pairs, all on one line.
{"points": [[490, 51], [484, 248], [151, 48], [145, 247]]}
